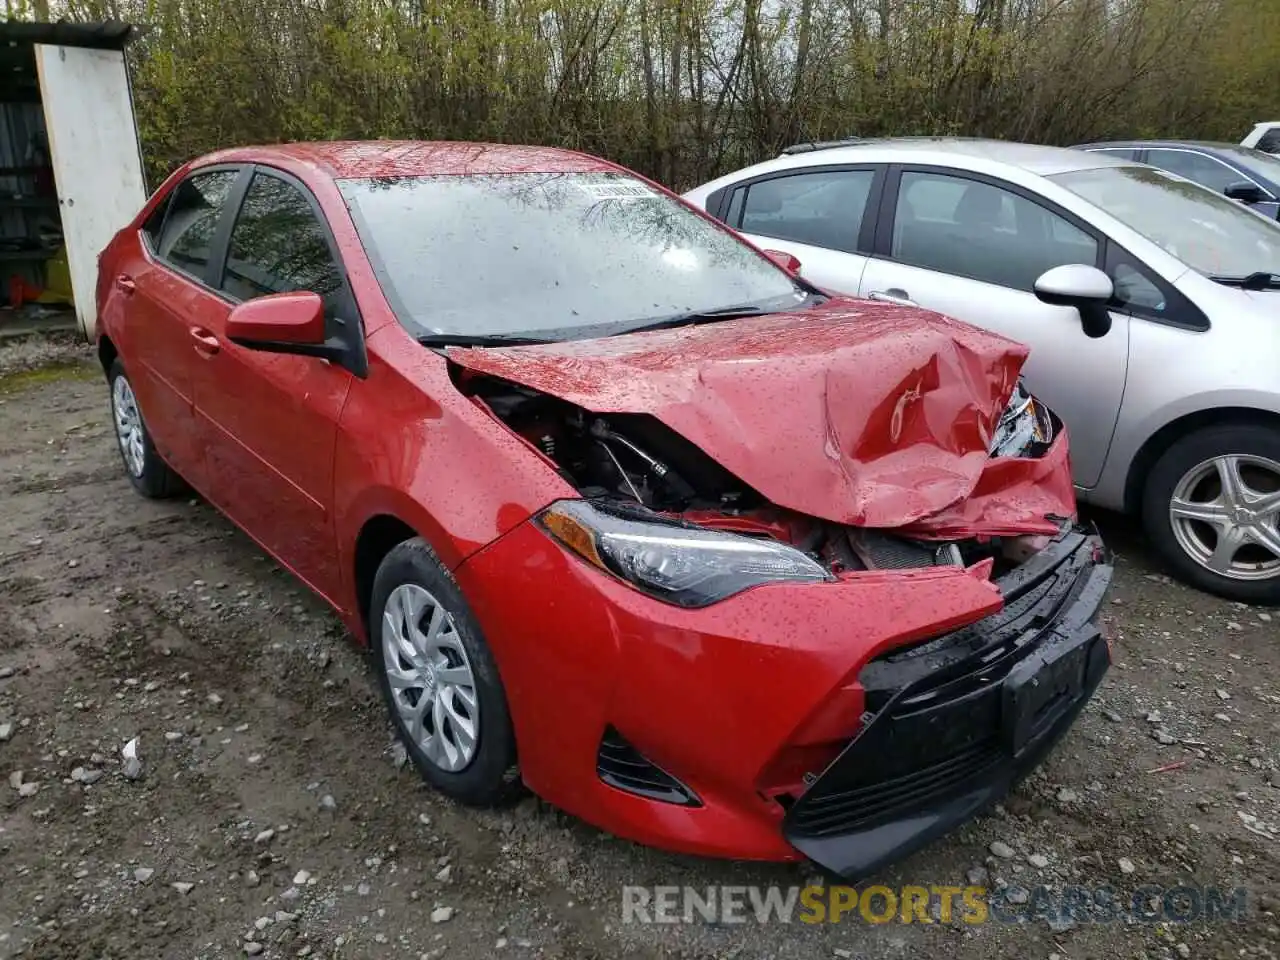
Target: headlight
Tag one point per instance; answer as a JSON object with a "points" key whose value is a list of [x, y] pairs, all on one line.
{"points": [[1025, 427], [687, 566]]}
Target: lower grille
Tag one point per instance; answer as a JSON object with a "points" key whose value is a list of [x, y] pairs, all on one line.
{"points": [[875, 802], [623, 767]]}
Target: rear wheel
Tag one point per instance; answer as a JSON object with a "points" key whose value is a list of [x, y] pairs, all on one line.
{"points": [[1212, 508], [439, 679], [149, 474]]}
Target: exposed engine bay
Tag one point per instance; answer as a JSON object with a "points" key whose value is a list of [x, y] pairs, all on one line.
{"points": [[637, 465]]}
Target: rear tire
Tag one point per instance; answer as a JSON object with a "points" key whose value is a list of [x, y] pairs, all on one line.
{"points": [[1210, 507], [149, 474], [439, 680]]}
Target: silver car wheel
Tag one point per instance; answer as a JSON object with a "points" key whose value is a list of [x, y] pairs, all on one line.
{"points": [[128, 426], [1224, 513], [430, 677]]}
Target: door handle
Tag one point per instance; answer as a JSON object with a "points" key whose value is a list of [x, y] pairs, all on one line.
{"points": [[893, 295], [205, 342], [125, 284]]}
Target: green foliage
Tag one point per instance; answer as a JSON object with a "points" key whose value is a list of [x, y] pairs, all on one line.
{"points": [[684, 89]]}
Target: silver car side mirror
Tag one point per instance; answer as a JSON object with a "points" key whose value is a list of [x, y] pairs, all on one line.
{"points": [[1084, 287]]}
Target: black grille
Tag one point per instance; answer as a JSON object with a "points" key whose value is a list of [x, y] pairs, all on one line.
{"points": [[621, 765], [933, 718], [953, 722], [980, 654], [882, 799]]}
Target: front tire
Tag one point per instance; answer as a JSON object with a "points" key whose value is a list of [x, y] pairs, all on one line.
{"points": [[149, 474], [1211, 507], [439, 680]]}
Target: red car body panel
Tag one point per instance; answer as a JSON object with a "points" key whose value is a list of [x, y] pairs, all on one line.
{"points": [[421, 445], [309, 458], [741, 679], [845, 413]]}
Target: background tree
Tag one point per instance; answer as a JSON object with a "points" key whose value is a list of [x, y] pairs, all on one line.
{"points": [[685, 89]]}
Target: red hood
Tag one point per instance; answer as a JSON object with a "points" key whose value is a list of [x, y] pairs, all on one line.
{"points": [[855, 412]]}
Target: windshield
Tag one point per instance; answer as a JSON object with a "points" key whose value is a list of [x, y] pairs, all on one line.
{"points": [[1206, 231], [551, 255]]}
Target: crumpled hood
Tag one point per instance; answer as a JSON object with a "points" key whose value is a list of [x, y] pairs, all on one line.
{"points": [[855, 412]]}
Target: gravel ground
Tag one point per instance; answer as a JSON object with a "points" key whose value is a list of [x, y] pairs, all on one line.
{"points": [[266, 813]]}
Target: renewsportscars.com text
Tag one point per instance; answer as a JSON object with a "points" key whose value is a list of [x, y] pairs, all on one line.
{"points": [[932, 904]]}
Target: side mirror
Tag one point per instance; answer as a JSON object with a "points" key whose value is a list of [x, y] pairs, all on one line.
{"points": [[786, 261], [1086, 288], [284, 323], [1246, 192]]}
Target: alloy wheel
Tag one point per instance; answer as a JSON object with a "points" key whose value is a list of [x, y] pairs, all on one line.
{"points": [[128, 426], [430, 677], [1225, 512]]}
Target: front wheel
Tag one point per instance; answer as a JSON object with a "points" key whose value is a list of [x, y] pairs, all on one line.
{"points": [[439, 679], [1211, 507]]}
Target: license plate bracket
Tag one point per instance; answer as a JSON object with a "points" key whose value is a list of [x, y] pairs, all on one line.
{"points": [[1040, 690]]}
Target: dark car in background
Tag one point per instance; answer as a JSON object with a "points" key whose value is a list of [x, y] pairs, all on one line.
{"points": [[1242, 173]]}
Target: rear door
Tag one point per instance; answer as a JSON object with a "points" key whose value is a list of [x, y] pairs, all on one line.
{"points": [[814, 213], [972, 247], [272, 418], [164, 290]]}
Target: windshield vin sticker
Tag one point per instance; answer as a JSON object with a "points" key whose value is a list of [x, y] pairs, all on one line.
{"points": [[617, 191]]}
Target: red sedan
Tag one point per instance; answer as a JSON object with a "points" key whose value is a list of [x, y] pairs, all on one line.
{"points": [[624, 508]]}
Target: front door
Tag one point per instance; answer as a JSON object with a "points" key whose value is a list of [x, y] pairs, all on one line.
{"points": [[271, 418], [972, 250]]}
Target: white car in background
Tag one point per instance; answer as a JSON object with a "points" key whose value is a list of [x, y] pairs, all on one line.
{"points": [[1264, 137], [1151, 306]]}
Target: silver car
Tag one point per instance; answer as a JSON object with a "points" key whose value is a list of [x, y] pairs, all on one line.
{"points": [[1151, 306]]}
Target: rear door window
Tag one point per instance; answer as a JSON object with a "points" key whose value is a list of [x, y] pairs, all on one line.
{"points": [[823, 208], [193, 211]]}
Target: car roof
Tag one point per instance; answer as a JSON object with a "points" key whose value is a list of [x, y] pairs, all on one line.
{"points": [[1033, 158], [357, 159]]}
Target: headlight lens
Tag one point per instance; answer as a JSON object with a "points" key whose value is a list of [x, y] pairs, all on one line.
{"points": [[1025, 426], [687, 566]]}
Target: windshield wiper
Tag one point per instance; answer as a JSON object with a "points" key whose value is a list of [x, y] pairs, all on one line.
{"points": [[697, 316], [1253, 281], [479, 340]]}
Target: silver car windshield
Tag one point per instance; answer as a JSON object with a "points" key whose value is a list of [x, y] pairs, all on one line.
{"points": [[1206, 231]]}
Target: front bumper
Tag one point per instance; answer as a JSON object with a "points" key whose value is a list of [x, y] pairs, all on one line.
{"points": [[953, 723]]}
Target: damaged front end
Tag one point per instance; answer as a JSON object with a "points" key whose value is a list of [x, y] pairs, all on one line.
{"points": [[908, 470], [640, 480]]}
